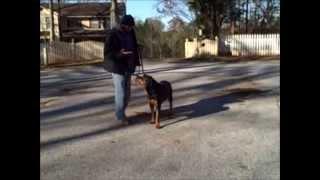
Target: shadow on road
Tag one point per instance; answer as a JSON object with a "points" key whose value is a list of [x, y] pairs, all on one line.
{"points": [[86, 76], [215, 104], [62, 140], [203, 107]]}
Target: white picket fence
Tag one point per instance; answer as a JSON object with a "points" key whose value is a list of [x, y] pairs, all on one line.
{"points": [[58, 52], [236, 45], [205, 46]]}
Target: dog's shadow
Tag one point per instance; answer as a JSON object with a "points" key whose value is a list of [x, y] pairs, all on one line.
{"points": [[201, 108]]}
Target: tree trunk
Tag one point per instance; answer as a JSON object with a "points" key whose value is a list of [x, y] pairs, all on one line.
{"points": [[247, 12], [239, 26], [212, 14], [214, 20], [173, 48], [113, 14], [160, 48], [151, 47], [52, 33], [255, 18], [160, 52], [232, 11], [59, 19], [232, 27]]}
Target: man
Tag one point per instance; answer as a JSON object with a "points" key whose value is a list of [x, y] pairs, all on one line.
{"points": [[120, 59]]}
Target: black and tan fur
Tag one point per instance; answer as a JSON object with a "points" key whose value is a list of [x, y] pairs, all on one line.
{"points": [[157, 93]]}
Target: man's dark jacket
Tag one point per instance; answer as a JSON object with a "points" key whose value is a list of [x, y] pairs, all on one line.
{"points": [[114, 61]]}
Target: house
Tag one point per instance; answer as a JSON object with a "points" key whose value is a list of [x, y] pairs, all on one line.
{"points": [[80, 21]]}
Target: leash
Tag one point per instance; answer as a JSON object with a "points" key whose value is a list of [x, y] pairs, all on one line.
{"points": [[140, 69]]}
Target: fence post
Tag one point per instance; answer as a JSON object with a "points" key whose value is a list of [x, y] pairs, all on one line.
{"points": [[73, 49], [186, 48], [215, 45], [45, 55], [256, 44]]}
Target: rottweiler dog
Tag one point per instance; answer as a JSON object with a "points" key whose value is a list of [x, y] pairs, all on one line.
{"points": [[157, 93]]}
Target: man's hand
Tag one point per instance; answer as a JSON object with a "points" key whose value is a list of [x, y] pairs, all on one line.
{"points": [[123, 51]]}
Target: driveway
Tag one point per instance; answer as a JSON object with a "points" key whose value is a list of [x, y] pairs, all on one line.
{"points": [[225, 124]]}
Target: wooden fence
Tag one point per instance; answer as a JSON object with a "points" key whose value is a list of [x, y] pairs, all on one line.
{"points": [[236, 45], [58, 52]]}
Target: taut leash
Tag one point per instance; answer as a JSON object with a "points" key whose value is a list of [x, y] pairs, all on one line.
{"points": [[140, 69]]}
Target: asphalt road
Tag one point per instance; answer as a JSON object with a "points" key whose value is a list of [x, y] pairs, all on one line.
{"points": [[225, 126]]}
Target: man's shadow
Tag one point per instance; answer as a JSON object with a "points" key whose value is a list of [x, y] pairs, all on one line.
{"points": [[201, 108]]}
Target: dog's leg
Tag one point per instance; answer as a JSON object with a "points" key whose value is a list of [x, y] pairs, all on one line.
{"points": [[158, 107], [170, 101], [152, 108]]}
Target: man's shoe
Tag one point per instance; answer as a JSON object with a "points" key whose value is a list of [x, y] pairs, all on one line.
{"points": [[125, 122], [119, 123]]}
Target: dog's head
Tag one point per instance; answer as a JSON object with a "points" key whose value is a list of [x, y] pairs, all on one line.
{"points": [[143, 80]]}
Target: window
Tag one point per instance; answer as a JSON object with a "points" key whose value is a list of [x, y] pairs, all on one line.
{"points": [[73, 23], [102, 24], [47, 22], [94, 24]]}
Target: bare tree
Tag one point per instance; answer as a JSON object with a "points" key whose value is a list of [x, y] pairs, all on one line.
{"points": [[266, 13], [174, 8]]}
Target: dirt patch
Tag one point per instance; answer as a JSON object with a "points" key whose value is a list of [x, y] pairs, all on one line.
{"points": [[243, 85], [74, 63], [246, 58], [246, 93], [245, 90], [225, 59], [46, 102], [73, 90]]}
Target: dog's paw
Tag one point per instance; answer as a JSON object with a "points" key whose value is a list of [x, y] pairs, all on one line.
{"points": [[158, 126]]}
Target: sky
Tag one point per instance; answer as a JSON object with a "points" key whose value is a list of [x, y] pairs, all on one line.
{"points": [[142, 9]]}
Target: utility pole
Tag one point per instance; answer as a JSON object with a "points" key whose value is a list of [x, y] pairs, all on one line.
{"points": [[247, 12]]}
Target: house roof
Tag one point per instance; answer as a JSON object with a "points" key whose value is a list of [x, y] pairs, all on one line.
{"points": [[85, 9], [55, 5]]}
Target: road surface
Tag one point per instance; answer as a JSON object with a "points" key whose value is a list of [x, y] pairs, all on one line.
{"points": [[225, 124]]}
